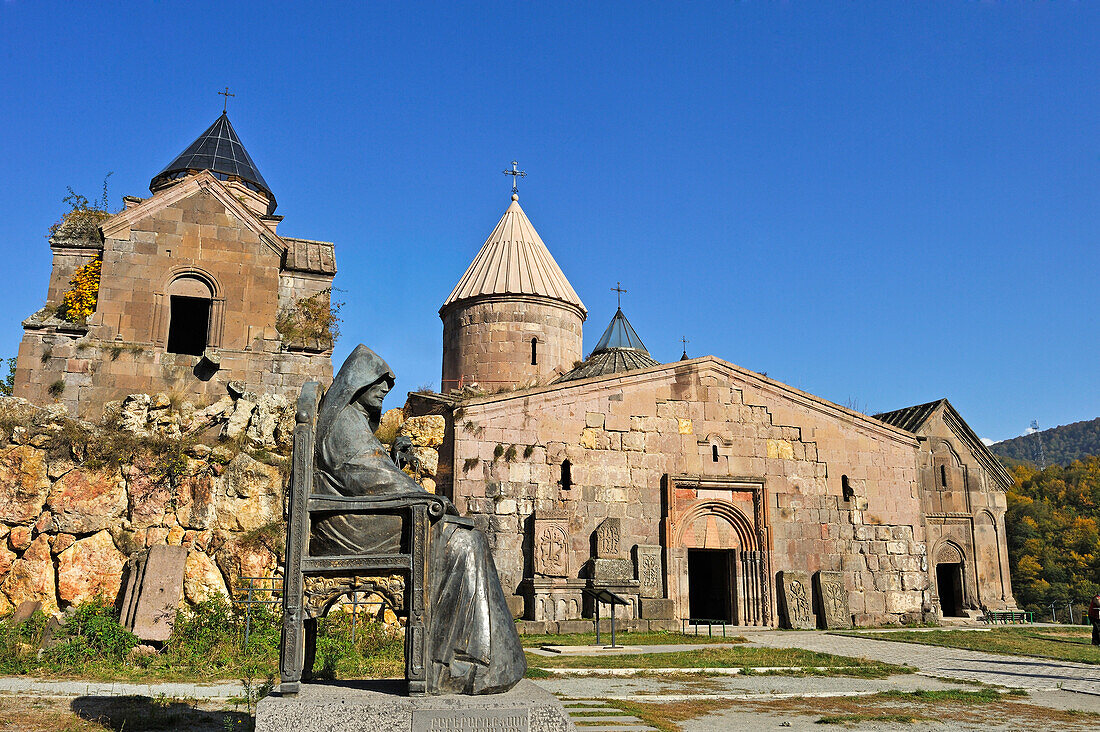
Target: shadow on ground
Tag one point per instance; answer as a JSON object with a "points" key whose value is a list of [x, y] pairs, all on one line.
{"points": [[143, 713]]}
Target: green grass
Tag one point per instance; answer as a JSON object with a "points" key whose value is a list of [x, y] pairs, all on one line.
{"points": [[207, 644], [626, 639], [734, 657], [966, 696], [1072, 643]]}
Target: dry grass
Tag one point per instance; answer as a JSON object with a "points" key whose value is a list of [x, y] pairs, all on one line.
{"points": [[973, 708]]}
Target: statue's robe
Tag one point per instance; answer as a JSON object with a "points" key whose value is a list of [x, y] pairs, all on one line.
{"points": [[472, 641]]}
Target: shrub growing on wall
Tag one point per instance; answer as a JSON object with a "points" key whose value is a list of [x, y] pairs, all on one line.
{"points": [[80, 301]]}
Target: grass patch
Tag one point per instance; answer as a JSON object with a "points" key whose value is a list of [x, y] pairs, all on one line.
{"points": [[207, 644], [734, 657], [655, 638], [1072, 643]]}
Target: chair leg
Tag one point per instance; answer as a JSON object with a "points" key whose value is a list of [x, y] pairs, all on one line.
{"points": [[291, 652], [310, 648]]}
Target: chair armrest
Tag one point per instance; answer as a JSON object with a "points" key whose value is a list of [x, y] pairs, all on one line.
{"points": [[436, 505]]}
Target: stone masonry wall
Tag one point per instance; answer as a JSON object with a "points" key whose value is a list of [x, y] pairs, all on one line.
{"points": [[489, 342], [623, 434], [122, 348]]}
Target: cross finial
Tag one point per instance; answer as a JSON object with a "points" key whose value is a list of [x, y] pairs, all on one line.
{"points": [[226, 94], [686, 342], [516, 175], [618, 288]]}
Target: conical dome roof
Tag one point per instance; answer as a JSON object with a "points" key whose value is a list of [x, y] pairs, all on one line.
{"points": [[514, 261], [619, 349], [220, 151]]}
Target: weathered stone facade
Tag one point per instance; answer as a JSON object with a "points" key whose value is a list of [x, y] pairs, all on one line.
{"points": [[202, 242], [710, 471], [506, 341]]}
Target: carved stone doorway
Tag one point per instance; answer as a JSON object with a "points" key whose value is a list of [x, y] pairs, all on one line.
{"points": [[710, 584], [949, 586]]}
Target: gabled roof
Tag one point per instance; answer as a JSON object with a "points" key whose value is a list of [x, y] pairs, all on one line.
{"points": [[220, 151], [911, 419], [514, 261], [620, 349], [118, 225]]}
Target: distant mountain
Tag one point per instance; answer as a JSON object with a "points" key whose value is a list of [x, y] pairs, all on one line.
{"points": [[1061, 445]]}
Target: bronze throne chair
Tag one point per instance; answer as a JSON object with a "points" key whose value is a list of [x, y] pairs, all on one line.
{"points": [[313, 584]]}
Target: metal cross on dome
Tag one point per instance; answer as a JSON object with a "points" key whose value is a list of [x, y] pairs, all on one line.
{"points": [[225, 104], [516, 175], [619, 297]]}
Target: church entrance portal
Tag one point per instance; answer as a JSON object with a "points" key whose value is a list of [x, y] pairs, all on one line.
{"points": [[188, 325], [949, 587], [710, 585]]}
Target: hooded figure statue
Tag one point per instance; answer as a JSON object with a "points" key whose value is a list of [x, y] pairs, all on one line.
{"points": [[473, 646]]}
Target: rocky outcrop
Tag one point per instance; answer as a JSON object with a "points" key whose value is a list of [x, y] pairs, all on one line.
{"points": [[88, 568], [69, 522], [426, 431]]}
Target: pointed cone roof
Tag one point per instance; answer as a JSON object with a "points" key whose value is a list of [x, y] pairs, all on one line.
{"points": [[514, 261], [220, 151], [620, 349], [619, 334]]}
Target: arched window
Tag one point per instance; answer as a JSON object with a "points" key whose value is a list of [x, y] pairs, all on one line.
{"points": [[846, 488], [714, 453], [534, 351], [943, 476], [190, 299], [566, 475]]}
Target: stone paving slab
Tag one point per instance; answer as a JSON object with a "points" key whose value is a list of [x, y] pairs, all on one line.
{"points": [[1023, 672]]}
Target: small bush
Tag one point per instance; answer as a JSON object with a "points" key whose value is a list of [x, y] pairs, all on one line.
{"points": [[314, 318], [510, 454], [56, 389], [92, 633], [528, 451]]}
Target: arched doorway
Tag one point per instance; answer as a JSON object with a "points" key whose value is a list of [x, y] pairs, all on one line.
{"points": [[724, 566], [950, 582]]}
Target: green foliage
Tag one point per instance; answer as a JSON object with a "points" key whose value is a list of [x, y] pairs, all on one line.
{"points": [[1053, 533], [92, 633], [528, 451], [510, 454], [498, 451], [8, 384], [314, 318], [207, 642], [1061, 445], [56, 389]]}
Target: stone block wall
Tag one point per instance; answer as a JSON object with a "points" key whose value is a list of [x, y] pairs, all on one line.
{"points": [[190, 240], [489, 341], [624, 435]]}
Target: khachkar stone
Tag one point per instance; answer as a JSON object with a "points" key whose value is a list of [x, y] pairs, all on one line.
{"points": [[795, 600], [154, 584], [650, 570], [609, 539], [551, 545], [832, 598]]}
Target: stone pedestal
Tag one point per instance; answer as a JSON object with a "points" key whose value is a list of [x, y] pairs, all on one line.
{"points": [[373, 706]]}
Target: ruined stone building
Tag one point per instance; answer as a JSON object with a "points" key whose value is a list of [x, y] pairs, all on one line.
{"points": [[695, 489], [196, 290]]}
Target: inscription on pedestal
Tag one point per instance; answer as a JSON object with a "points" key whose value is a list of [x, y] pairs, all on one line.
{"points": [[471, 720]]}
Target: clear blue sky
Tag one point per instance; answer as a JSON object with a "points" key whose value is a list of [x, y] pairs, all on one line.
{"points": [[880, 203]]}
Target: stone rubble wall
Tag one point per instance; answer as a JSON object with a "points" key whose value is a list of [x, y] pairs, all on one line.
{"points": [[68, 523]]}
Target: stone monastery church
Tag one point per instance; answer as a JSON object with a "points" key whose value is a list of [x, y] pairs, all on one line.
{"points": [[697, 489], [693, 490], [193, 282]]}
